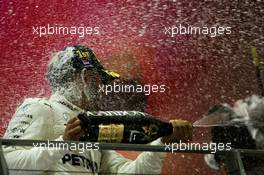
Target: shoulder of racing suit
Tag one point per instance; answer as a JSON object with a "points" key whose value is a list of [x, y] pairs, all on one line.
{"points": [[32, 114]]}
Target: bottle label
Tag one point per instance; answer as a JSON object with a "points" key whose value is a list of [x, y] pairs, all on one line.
{"points": [[134, 136], [111, 133]]}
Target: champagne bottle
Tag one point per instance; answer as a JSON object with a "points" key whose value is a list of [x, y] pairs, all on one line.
{"points": [[123, 127]]}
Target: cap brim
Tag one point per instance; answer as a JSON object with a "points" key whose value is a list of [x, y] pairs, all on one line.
{"points": [[108, 76]]}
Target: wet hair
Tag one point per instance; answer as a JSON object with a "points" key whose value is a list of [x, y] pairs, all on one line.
{"points": [[61, 72], [238, 136]]}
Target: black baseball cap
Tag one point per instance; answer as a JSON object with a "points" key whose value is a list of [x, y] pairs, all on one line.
{"points": [[84, 57]]}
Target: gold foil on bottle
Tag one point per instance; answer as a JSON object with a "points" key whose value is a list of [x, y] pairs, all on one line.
{"points": [[111, 133]]}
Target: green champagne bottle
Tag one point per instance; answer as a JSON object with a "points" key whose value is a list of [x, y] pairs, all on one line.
{"points": [[123, 127]]}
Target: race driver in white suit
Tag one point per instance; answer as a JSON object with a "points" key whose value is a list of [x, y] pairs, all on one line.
{"points": [[74, 75]]}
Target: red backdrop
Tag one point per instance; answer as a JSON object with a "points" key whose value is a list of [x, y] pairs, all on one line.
{"points": [[198, 71]]}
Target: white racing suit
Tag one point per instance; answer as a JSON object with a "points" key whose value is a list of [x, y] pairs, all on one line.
{"points": [[45, 119]]}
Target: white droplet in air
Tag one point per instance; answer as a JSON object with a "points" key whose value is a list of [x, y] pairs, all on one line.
{"points": [[10, 11]]}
